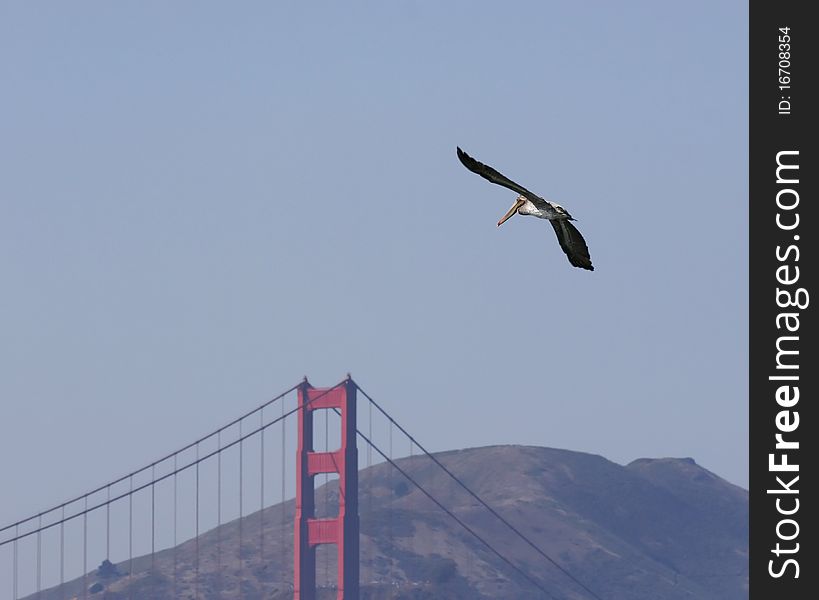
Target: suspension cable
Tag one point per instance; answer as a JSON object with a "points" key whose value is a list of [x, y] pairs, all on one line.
{"points": [[62, 554], [108, 526], [184, 467], [284, 480], [153, 519], [261, 488], [479, 499], [39, 555], [85, 551], [175, 527], [219, 511], [460, 522], [241, 508], [196, 578], [390, 511], [14, 550], [130, 535], [145, 468]]}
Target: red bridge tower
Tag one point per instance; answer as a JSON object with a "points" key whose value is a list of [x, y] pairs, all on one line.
{"points": [[342, 530]]}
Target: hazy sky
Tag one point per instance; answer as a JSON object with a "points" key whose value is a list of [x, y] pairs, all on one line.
{"points": [[202, 202]]}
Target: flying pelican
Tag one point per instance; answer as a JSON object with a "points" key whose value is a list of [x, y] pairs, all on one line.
{"points": [[528, 203]]}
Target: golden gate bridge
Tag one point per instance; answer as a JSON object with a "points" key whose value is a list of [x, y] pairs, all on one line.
{"points": [[171, 524]]}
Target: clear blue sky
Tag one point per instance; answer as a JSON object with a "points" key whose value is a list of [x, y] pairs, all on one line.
{"points": [[202, 202]]}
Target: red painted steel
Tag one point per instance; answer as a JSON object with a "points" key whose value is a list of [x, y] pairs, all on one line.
{"points": [[342, 530], [322, 531], [324, 462]]}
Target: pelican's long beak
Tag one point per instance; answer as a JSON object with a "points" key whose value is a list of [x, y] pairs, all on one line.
{"points": [[518, 203]]}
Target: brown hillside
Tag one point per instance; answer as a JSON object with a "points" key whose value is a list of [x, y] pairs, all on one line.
{"points": [[657, 528]]}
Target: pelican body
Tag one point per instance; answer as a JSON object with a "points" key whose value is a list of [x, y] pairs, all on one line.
{"points": [[533, 205], [546, 210]]}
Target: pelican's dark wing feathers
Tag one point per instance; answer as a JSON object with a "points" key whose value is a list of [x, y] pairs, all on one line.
{"points": [[492, 175], [568, 236], [572, 243]]}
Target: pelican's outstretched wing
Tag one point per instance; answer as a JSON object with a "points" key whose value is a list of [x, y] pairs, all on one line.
{"points": [[492, 175], [572, 243]]}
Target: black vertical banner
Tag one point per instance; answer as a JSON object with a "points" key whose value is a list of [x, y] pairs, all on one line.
{"points": [[783, 264]]}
